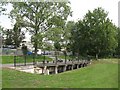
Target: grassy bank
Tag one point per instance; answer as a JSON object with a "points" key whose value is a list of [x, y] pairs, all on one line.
{"points": [[100, 74]]}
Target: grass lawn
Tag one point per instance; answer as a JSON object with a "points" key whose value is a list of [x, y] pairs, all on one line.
{"points": [[70, 57], [10, 59], [100, 74], [63, 57]]}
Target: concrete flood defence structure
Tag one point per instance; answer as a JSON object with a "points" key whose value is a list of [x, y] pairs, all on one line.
{"points": [[58, 67]]}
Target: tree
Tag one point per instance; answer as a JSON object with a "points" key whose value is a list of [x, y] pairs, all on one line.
{"points": [[8, 37], [118, 39], [55, 35], [18, 34], [95, 34], [78, 42], [2, 10], [1, 37], [14, 36], [38, 17], [67, 34]]}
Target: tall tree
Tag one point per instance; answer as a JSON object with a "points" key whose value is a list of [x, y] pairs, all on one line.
{"points": [[96, 34], [18, 34], [55, 35], [118, 38], [38, 17], [8, 37], [67, 34], [1, 36], [119, 41], [13, 36], [77, 39]]}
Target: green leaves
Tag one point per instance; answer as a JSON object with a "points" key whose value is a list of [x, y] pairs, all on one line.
{"points": [[95, 34], [54, 34], [14, 36], [39, 17]]}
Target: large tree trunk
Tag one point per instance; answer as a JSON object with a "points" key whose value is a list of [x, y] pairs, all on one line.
{"points": [[36, 33], [35, 43]]}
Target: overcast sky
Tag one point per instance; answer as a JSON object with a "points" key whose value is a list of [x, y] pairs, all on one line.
{"points": [[79, 8]]}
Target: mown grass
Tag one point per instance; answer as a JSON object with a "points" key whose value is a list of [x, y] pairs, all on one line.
{"points": [[100, 74], [63, 57], [71, 57], [21, 59]]}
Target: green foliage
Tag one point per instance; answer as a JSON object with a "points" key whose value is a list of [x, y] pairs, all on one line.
{"points": [[60, 35], [69, 26], [1, 36], [95, 34], [8, 34], [39, 37], [13, 36], [118, 38], [18, 34], [57, 46], [54, 34], [40, 17]]}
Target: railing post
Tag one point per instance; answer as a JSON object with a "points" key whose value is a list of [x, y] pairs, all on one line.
{"points": [[56, 62], [72, 66], [77, 66], [56, 69], [44, 70], [65, 61], [65, 68]]}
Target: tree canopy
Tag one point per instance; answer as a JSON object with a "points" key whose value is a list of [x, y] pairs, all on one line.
{"points": [[40, 17], [95, 34]]}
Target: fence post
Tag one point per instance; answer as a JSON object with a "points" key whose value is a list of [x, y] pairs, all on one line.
{"points": [[33, 59], [44, 55], [14, 60], [25, 60]]}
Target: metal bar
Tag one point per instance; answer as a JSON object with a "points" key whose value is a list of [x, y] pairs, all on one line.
{"points": [[25, 60], [33, 59], [14, 60], [44, 55]]}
